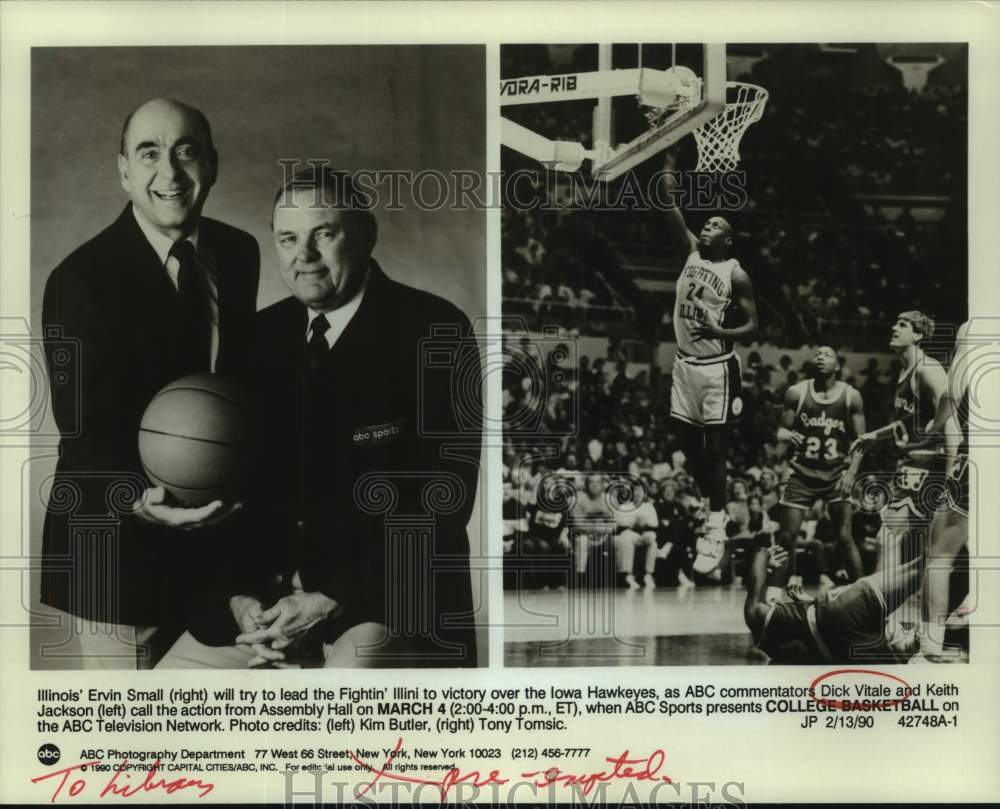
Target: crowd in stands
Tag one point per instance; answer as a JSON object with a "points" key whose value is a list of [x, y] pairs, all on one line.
{"points": [[859, 275], [877, 137], [593, 424], [552, 271]]}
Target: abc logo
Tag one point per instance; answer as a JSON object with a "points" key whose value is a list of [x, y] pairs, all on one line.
{"points": [[48, 754]]}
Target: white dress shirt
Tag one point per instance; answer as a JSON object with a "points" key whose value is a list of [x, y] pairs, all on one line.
{"points": [[339, 317]]}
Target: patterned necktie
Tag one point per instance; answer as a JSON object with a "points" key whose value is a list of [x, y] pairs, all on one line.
{"points": [[195, 321], [317, 347]]}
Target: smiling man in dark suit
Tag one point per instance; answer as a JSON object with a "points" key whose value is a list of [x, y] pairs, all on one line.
{"points": [[161, 293], [369, 395]]}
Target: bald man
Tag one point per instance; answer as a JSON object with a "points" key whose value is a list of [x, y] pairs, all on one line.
{"points": [[161, 293]]}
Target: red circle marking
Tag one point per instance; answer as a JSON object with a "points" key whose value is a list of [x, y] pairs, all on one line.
{"points": [[839, 705]]}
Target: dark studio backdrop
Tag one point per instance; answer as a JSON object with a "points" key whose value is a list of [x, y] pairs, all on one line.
{"points": [[411, 108]]}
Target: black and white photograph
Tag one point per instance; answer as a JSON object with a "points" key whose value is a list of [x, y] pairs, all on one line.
{"points": [[733, 280], [260, 440], [499, 403]]}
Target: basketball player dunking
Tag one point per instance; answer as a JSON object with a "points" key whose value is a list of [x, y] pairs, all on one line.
{"points": [[705, 396], [822, 416]]}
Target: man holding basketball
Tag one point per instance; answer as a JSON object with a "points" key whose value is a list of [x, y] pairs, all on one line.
{"points": [[368, 464], [161, 293]]}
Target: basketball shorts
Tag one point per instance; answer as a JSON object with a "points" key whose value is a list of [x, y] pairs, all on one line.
{"points": [[706, 391], [851, 621], [919, 485], [801, 491]]}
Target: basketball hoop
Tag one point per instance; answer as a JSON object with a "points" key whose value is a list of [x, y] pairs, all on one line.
{"points": [[675, 101], [719, 138]]}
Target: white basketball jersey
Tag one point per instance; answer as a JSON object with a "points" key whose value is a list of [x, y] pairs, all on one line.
{"points": [[704, 292]]}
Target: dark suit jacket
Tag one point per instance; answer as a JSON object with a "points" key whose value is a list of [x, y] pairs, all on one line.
{"points": [[113, 306], [371, 465]]}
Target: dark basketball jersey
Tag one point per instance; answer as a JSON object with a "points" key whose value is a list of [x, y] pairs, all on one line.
{"points": [[914, 411], [826, 429], [848, 625], [786, 637], [545, 525]]}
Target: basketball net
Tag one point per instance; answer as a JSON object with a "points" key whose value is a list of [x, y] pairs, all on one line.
{"points": [[719, 139]]}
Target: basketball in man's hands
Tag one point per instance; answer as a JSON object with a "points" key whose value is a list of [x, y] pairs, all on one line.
{"points": [[194, 439]]}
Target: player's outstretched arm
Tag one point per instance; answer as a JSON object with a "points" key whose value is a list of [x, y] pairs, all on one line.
{"points": [[676, 226], [865, 440]]}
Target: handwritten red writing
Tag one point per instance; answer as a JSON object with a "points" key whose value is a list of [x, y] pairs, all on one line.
{"points": [[623, 767], [120, 785]]}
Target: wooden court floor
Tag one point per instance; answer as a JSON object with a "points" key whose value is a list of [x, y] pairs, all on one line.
{"points": [[695, 626]]}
